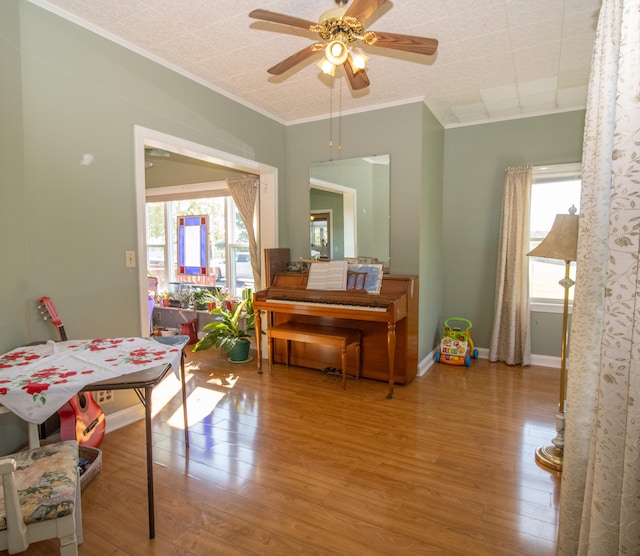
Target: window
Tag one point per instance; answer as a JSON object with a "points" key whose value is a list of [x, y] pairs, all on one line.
{"points": [[554, 190], [238, 273], [156, 243]]}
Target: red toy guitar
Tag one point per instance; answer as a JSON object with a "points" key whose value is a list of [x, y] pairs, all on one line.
{"points": [[48, 311], [81, 418]]}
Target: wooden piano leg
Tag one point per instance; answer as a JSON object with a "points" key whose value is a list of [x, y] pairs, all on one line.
{"points": [[270, 341], [344, 366], [257, 327], [391, 350], [288, 342]]}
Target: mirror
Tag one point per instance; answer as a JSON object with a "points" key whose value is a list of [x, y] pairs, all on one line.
{"points": [[349, 204]]}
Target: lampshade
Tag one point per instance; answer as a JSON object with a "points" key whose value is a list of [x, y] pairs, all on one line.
{"points": [[336, 52], [326, 66], [561, 241], [357, 60]]}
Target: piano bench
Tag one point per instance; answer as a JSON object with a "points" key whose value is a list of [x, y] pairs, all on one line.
{"points": [[324, 335]]}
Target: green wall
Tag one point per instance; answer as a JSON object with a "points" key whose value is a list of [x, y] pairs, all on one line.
{"points": [[14, 319], [475, 160], [414, 140], [430, 232], [13, 229]]}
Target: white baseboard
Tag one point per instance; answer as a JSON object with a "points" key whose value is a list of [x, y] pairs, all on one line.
{"points": [[124, 417], [425, 365], [483, 353], [546, 361]]}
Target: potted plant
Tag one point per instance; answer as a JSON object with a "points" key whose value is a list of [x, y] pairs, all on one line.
{"points": [[227, 333], [201, 298], [247, 296], [165, 299]]}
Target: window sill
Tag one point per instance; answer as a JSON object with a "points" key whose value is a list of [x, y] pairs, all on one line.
{"points": [[548, 307]]}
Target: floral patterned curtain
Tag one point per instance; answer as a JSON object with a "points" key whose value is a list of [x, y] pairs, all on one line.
{"points": [[510, 335], [244, 190], [600, 493]]}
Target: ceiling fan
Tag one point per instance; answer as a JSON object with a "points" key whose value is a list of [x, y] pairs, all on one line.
{"points": [[339, 29]]}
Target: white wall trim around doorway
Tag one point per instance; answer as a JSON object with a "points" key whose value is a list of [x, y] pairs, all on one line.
{"points": [[268, 195]]}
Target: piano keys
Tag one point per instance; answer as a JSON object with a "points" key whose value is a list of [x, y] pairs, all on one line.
{"points": [[388, 322]]}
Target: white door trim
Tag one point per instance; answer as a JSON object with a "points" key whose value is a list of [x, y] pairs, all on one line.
{"points": [[268, 196]]}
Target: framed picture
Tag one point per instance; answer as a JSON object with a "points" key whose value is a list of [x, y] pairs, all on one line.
{"points": [[193, 245], [373, 279]]}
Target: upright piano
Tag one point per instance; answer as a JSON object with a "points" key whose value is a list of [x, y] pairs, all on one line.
{"points": [[388, 322]]}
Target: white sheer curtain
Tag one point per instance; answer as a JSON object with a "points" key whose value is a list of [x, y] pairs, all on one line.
{"points": [[244, 190], [510, 335], [600, 493]]}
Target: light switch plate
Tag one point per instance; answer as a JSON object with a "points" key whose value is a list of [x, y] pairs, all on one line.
{"points": [[130, 259]]}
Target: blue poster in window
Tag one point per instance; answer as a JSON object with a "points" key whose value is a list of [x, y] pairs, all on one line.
{"points": [[193, 245]]}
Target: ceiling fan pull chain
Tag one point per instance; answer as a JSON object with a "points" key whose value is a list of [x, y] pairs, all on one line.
{"points": [[340, 118], [330, 120]]}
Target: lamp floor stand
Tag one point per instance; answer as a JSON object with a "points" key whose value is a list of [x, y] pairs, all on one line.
{"points": [[552, 456], [561, 243]]}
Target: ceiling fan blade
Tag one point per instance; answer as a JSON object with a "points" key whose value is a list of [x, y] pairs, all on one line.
{"points": [[266, 15], [359, 80], [363, 9], [408, 43], [292, 60]]}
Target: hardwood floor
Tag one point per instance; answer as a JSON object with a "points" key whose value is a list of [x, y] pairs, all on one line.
{"points": [[290, 463]]}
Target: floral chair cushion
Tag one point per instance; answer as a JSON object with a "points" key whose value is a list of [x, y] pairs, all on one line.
{"points": [[46, 480]]}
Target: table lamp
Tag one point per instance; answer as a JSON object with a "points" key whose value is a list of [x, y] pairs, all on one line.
{"points": [[560, 243]]}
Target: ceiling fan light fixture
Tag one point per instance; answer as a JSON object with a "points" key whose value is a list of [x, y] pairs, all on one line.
{"points": [[336, 52], [357, 60], [338, 29], [326, 66]]}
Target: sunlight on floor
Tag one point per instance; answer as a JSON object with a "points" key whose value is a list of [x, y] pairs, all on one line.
{"points": [[165, 391], [228, 381], [200, 402]]}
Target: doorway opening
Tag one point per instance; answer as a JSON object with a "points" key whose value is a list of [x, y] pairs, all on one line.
{"points": [[266, 204]]}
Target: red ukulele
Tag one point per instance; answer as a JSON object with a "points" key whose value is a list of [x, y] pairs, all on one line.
{"points": [[81, 418]]}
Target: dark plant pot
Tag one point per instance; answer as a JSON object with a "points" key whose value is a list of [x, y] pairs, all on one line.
{"points": [[240, 352]]}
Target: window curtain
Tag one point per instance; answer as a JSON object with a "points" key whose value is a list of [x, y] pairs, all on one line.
{"points": [[244, 190], [600, 492], [510, 335]]}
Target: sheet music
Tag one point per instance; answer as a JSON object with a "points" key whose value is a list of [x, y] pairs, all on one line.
{"points": [[330, 275]]}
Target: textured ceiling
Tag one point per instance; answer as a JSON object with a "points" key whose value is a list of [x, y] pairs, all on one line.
{"points": [[497, 59]]}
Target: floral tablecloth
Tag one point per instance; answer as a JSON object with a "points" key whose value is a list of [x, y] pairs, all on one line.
{"points": [[35, 381]]}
